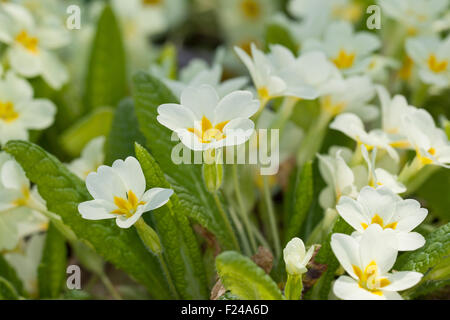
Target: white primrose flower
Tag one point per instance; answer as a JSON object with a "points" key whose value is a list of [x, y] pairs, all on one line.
{"points": [[417, 16], [368, 259], [383, 207], [339, 178], [203, 121], [91, 158], [351, 95], [17, 220], [432, 56], [119, 192], [349, 51], [393, 111], [19, 112], [296, 257], [378, 176], [430, 142], [280, 73], [352, 126], [30, 46]]}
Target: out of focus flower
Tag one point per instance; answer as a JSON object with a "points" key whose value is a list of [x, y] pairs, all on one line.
{"points": [[119, 192], [91, 158], [30, 47], [296, 257], [19, 112], [383, 207], [432, 56], [351, 95], [204, 121], [431, 143], [339, 178], [417, 16], [280, 73], [367, 260], [352, 126], [349, 51]]}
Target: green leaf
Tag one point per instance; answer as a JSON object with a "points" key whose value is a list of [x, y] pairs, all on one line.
{"points": [[63, 191], [180, 247], [428, 287], [123, 134], [244, 278], [52, 269], [97, 123], [8, 273], [326, 256], [186, 179], [7, 291], [278, 34], [303, 196], [431, 192], [423, 260], [106, 78]]}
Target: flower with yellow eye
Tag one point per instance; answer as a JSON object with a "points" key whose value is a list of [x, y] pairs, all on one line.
{"points": [[119, 192], [203, 121], [91, 158], [352, 126], [30, 47], [430, 142], [432, 56], [368, 260], [279, 73], [383, 207], [416, 16], [349, 51], [19, 112]]}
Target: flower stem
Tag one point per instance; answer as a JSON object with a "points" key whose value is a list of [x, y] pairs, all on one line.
{"points": [[110, 287], [271, 213], [243, 211], [226, 220], [294, 287], [168, 275], [284, 113]]}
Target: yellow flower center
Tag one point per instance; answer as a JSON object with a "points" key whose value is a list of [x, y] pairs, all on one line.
{"points": [[7, 112], [151, 2], [331, 107], [376, 219], [406, 69], [263, 93], [24, 199], [350, 12], [369, 279], [344, 60], [127, 207], [251, 9], [207, 133], [28, 42], [435, 65]]}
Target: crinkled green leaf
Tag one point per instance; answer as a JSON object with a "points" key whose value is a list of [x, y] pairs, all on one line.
{"points": [[180, 247], [431, 192], [106, 75], [244, 278], [303, 196], [186, 179], [52, 268], [428, 287], [423, 260], [63, 191], [97, 123], [7, 290], [7, 272], [123, 134]]}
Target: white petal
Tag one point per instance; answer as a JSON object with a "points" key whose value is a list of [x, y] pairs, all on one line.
{"points": [[201, 100], [96, 209], [352, 212], [175, 116], [23, 62], [13, 176], [12, 131], [156, 197], [408, 241], [38, 114], [403, 280], [347, 288], [409, 214], [238, 104], [125, 223], [346, 250], [7, 198], [105, 184], [53, 71], [130, 172]]}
